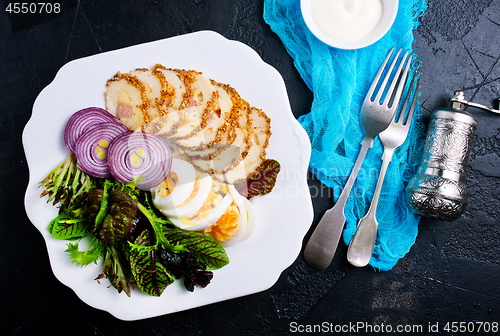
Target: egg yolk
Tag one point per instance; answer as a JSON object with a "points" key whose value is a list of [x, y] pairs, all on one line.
{"points": [[227, 225], [213, 198], [168, 185]]}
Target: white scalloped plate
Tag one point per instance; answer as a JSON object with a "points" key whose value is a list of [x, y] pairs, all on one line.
{"points": [[283, 217]]}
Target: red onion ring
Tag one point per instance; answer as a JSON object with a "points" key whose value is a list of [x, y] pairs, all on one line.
{"points": [[81, 121], [91, 154], [131, 155]]}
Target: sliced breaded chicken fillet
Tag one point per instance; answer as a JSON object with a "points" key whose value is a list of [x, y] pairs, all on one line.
{"points": [[206, 121]]}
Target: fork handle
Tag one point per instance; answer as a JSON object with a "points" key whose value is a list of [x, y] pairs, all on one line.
{"points": [[361, 246], [323, 243]]}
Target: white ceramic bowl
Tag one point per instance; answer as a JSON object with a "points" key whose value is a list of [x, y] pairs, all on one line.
{"points": [[390, 9]]}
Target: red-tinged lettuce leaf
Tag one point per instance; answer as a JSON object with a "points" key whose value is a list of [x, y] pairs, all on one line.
{"points": [[205, 247], [65, 227], [150, 275], [187, 265], [119, 277], [263, 183]]}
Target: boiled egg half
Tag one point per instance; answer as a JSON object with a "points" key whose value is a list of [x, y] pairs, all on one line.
{"points": [[193, 201]]}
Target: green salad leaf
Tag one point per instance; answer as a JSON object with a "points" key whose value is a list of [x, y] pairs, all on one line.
{"points": [[103, 204], [205, 247], [117, 269], [67, 227], [119, 219], [92, 254], [140, 246], [111, 212], [66, 184], [158, 225], [149, 273]]}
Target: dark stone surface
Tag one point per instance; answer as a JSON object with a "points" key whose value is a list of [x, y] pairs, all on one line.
{"points": [[450, 275]]}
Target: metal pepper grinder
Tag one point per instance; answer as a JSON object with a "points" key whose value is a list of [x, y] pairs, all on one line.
{"points": [[438, 188]]}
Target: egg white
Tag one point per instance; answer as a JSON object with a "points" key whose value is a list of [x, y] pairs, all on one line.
{"points": [[192, 206], [246, 223], [251, 219], [203, 223], [186, 175], [182, 209]]}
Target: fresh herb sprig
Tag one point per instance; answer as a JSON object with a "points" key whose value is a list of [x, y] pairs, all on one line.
{"points": [[65, 185]]}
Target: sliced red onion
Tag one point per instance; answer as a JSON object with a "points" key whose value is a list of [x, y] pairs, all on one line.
{"points": [[137, 154], [91, 149], [81, 121]]}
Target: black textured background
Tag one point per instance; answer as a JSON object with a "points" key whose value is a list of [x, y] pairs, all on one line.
{"points": [[451, 274]]}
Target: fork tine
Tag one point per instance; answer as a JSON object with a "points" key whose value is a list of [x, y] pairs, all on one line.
{"points": [[391, 101], [401, 118], [414, 100], [399, 90], [377, 77], [386, 78]]}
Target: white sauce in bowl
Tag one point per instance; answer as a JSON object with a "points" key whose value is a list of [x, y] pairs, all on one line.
{"points": [[347, 20]]}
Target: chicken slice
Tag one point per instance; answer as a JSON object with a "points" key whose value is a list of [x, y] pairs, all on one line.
{"points": [[193, 108], [127, 100], [174, 90], [251, 164]]}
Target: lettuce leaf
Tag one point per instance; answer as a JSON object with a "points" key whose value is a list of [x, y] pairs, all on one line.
{"points": [[157, 224], [263, 183], [150, 275], [205, 247], [93, 253], [66, 227], [177, 240], [117, 269]]}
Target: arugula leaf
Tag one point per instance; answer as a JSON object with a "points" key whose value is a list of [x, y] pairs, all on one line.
{"points": [[93, 253], [66, 227], [208, 250], [150, 275]]}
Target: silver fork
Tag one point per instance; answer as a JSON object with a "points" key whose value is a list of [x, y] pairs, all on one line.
{"points": [[361, 246], [375, 117]]}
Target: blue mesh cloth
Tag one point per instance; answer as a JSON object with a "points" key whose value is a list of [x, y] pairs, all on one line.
{"points": [[339, 80]]}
